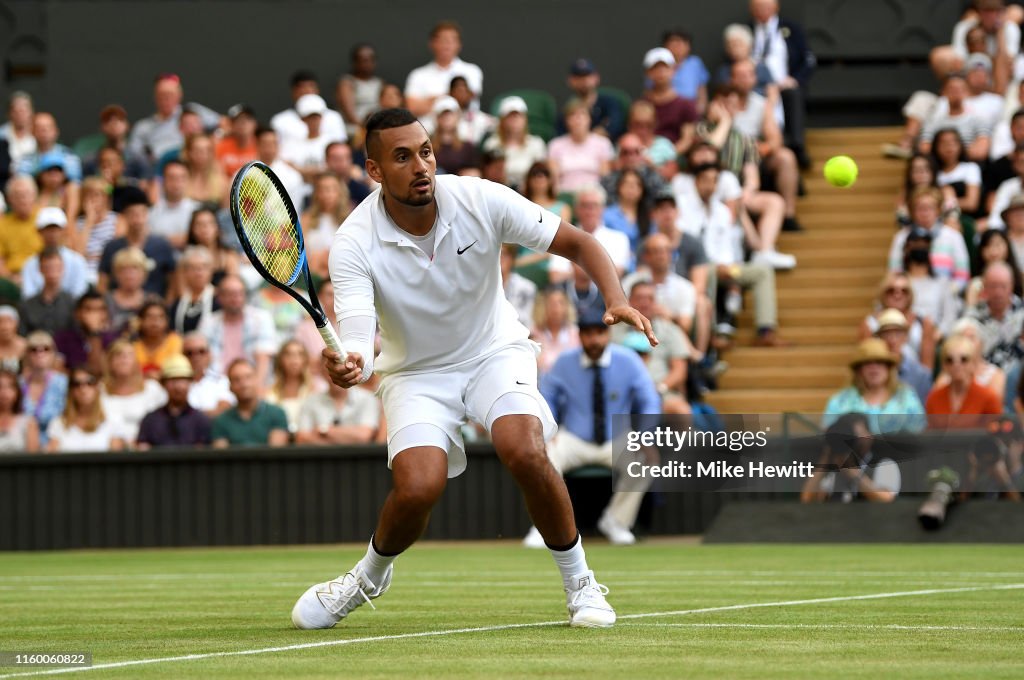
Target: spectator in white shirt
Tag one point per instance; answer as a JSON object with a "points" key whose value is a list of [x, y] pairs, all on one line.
{"points": [[306, 153], [1001, 42], [18, 128], [590, 205], [289, 123], [267, 152], [170, 216], [210, 391], [427, 83], [519, 290], [974, 130]]}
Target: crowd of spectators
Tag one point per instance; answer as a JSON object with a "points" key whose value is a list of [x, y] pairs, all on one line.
{"points": [[942, 347], [131, 320]]}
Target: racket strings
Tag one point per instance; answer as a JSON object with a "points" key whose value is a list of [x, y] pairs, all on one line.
{"points": [[272, 233]]}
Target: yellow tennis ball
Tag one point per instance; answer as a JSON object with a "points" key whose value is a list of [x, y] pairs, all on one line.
{"points": [[841, 171]]}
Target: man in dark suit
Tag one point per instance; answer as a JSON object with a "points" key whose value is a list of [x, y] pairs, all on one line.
{"points": [[782, 46]]}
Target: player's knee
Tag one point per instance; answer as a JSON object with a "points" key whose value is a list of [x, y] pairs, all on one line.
{"points": [[525, 458], [420, 493]]}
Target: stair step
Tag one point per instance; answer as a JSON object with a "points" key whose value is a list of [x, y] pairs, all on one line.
{"points": [[829, 257], [805, 335], [880, 134], [811, 355], [825, 297], [834, 377], [884, 183], [878, 236], [836, 317], [802, 399], [828, 276]]}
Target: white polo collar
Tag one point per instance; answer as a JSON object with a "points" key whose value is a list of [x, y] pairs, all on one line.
{"points": [[390, 232], [604, 361]]}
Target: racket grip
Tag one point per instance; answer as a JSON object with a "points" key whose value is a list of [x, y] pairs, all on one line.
{"points": [[331, 339]]}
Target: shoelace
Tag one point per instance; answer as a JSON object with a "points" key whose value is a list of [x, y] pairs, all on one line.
{"points": [[346, 600], [585, 595]]}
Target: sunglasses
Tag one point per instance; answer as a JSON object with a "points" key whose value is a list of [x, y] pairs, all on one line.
{"points": [[894, 290], [195, 352], [630, 151], [38, 349], [82, 382], [957, 359], [1003, 426]]}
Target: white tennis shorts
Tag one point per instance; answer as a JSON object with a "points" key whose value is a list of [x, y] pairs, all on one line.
{"points": [[429, 409]]}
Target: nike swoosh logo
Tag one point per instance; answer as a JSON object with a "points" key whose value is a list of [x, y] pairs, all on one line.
{"points": [[460, 251], [541, 218], [521, 383]]}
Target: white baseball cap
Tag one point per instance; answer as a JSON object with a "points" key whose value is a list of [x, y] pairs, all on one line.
{"points": [[309, 105], [658, 55], [51, 217], [445, 103], [511, 104]]}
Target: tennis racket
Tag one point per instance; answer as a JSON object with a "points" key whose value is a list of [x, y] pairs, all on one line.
{"points": [[269, 230]]}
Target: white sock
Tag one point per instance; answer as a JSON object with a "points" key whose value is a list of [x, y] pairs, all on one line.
{"points": [[374, 565], [571, 562]]}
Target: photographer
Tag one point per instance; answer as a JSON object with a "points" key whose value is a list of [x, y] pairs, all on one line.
{"points": [[987, 472], [847, 469]]}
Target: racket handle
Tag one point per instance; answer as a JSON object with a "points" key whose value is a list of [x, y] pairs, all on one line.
{"points": [[331, 339]]}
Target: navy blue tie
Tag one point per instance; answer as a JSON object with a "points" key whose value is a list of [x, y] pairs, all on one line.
{"points": [[600, 417]]}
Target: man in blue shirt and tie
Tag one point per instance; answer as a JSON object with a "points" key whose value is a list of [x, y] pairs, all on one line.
{"points": [[584, 389]]}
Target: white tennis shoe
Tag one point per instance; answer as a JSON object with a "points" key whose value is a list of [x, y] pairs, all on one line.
{"points": [[586, 603], [324, 604]]}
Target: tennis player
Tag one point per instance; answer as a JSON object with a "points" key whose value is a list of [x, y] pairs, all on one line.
{"points": [[421, 256]]}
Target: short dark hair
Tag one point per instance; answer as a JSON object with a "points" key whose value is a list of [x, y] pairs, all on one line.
{"points": [[49, 254], [1017, 115], [704, 167], [354, 52], [89, 295], [457, 79], [264, 130], [385, 119], [173, 161], [302, 76], [676, 32], [446, 25], [327, 149]]}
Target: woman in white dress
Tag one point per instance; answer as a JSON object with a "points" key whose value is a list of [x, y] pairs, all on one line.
{"points": [[86, 426], [126, 392]]}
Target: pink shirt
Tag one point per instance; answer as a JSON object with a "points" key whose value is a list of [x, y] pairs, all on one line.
{"points": [[232, 343], [579, 165]]}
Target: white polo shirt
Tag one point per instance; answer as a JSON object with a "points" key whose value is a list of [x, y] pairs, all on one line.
{"points": [[446, 310], [433, 80]]}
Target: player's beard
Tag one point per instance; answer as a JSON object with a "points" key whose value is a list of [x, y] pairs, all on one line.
{"points": [[415, 199]]}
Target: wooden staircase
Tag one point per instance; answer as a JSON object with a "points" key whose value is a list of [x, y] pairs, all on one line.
{"points": [[841, 258]]}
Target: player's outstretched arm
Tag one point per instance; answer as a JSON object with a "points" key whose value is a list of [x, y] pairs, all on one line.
{"points": [[583, 249]]}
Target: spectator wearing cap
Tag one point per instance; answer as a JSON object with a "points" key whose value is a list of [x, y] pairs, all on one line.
{"points": [[690, 79], [209, 391], [155, 135], [607, 116], [667, 364], [947, 252], [999, 39], [18, 128], [55, 189], [358, 91], [170, 215], [290, 123], [426, 83], [950, 405], [12, 345], [1000, 315], [176, 423], [238, 147], [892, 329], [306, 153], [46, 132], [19, 236], [782, 46], [453, 154], [676, 116], [161, 258], [113, 132], [52, 307], [581, 157], [585, 388], [981, 100], [51, 224], [268, 152], [876, 390], [512, 139]]}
